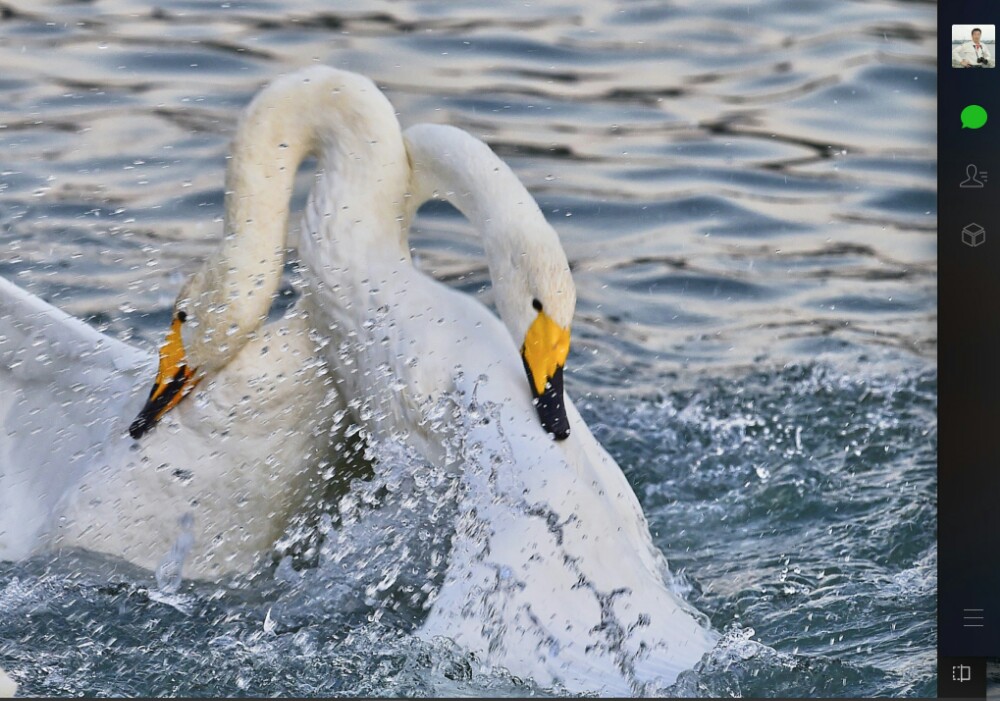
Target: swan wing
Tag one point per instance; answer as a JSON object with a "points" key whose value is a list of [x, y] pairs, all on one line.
{"points": [[63, 386], [230, 466]]}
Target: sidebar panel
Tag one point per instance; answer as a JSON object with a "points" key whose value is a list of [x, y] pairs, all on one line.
{"points": [[969, 354]]}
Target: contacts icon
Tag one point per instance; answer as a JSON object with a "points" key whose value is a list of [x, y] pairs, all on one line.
{"points": [[974, 178]]}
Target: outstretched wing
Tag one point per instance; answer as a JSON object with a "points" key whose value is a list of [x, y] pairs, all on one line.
{"points": [[63, 386]]}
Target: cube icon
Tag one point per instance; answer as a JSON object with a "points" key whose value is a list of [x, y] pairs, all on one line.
{"points": [[973, 235]]}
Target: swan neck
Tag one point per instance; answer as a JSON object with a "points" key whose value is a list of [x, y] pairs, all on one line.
{"points": [[338, 116], [522, 251], [260, 178]]}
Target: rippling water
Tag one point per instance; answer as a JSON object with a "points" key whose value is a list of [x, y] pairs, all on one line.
{"points": [[746, 193]]}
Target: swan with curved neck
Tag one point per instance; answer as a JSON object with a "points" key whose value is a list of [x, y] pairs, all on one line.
{"points": [[237, 464], [241, 460], [553, 573]]}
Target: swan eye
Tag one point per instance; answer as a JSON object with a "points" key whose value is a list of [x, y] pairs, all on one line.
{"points": [[536, 304], [182, 316]]}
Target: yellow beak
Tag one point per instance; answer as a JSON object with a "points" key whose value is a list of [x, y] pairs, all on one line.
{"points": [[544, 353], [174, 381]]}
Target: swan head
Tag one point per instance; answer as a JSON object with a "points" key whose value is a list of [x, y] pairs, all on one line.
{"points": [[537, 300], [175, 379], [212, 320], [544, 351], [531, 278]]}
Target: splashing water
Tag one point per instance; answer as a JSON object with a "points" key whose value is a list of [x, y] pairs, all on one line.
{"points": [[817, 581]]}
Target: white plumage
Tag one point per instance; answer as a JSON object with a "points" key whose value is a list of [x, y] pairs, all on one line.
{"points": [[235, 463]]}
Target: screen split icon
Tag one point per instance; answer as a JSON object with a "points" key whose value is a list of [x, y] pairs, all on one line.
{"points": [[961, 677]]}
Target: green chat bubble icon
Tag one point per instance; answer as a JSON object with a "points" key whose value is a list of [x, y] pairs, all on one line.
{"points": [[973, 117]]}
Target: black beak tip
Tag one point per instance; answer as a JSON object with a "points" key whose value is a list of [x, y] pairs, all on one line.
{"points": [[551, 406], [139, 428], [553, 418], [157, 404]]}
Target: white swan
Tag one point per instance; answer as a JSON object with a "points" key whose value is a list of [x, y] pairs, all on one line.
{"points": [[553, 573], [223, 478], [234, 464]]}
